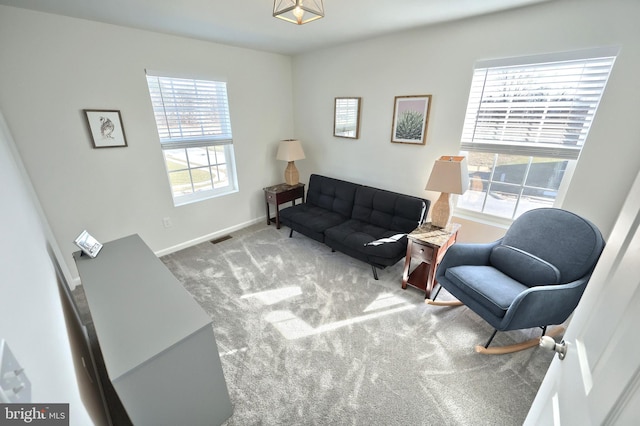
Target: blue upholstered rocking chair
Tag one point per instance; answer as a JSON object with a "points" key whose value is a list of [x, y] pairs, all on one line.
{"points": [[532, 277]]}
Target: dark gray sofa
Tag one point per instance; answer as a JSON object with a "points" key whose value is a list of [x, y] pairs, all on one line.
{"points": [[366, 223]]}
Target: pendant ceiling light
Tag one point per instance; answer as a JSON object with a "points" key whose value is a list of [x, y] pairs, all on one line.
{"points": [[298, 11]]}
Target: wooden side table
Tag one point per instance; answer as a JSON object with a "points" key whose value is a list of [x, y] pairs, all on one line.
{"points": [[279, 194], [428, 244]]}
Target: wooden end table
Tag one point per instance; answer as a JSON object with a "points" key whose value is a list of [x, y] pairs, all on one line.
{"points": [[428, 244], [279, 194]]}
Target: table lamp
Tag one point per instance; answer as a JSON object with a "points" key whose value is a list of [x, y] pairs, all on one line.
{"points": [[449, 176], [290, 150]]}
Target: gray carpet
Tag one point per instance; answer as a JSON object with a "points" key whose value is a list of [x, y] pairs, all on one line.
{"points": [[308, 337]]}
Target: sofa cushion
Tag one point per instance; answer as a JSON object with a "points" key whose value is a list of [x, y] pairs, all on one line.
{"points": [[356, 232], [491, 288], [524, 267], [357, 235], [388, 253], [331, 194], [388, 210], [315, 218]]}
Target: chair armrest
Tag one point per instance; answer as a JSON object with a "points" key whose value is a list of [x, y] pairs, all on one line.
{"points": [[544, 305], [466, 254]]}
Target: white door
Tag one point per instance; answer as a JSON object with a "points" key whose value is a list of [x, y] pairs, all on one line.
{"points": [[598, 382]]}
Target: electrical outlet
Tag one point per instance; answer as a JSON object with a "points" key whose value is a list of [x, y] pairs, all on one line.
{"points": [[15, 387], [167, 222]]}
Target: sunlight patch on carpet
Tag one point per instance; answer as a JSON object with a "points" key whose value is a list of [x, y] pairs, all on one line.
{"points": [[385, 300], [271, 297], [293, 327]]}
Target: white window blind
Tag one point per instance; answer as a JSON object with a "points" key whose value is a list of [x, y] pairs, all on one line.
{"points": [[542, 109], [190, 112]]}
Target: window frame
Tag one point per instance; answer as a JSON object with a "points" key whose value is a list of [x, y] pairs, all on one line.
{"points": [[543, 150], [198, 195], [212, 128]]}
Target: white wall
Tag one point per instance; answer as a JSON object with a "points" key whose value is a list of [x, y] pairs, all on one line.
{"points": [[439, 61], [31, 317], [52, 67]]}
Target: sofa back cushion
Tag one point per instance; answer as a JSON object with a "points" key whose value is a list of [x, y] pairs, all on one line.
{"points": [[331, 194], [389, 210]]}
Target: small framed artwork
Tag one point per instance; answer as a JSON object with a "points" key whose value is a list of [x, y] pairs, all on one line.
{"points": [[346, 118], [410, 119], [106, 128]]}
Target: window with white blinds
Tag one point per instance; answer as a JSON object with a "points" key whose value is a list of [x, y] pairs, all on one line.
{"points": [[538, 109], [190, 111], [194, 127], [527, 120]]}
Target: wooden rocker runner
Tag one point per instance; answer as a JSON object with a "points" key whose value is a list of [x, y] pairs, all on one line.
{"points": [[497, 350]]}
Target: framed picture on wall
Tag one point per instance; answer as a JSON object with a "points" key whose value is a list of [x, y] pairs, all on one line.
{"points": [[106, 128], [346, 118], [410, 119]]}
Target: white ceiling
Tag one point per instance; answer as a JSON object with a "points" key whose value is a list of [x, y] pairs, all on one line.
{"points": [[249, 23]]}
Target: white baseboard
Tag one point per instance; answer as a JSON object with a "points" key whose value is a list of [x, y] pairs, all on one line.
{"points": [[74, 282], [208, 237]]}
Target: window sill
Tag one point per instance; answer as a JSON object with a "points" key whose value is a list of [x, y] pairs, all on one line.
{"points": [[200, 196], [483, 218]]}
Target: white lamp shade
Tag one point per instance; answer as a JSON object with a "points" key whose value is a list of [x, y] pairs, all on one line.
{"points": [[449, 175], [290, 150]]}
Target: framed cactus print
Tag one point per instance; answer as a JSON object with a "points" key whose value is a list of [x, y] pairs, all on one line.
{"points": [[410, 119]]}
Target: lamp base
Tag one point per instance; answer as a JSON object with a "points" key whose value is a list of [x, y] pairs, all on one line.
{"points": [[441, 212], [291, 175]]}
